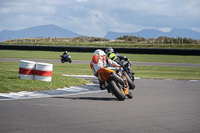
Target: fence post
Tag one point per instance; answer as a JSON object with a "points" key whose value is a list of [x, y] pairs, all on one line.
{"points": [[153, 41]]}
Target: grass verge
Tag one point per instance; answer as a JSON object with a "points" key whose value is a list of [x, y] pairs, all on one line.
{"points": [[9, 81], [88, 56], [165, 72]]}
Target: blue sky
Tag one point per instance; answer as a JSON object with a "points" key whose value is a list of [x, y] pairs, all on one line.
{"points": [[97, 17]]}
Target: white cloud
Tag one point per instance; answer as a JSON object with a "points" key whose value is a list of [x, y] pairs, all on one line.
{"points": [[82, 1], [96, 17], [4, 10], [163, 29]]}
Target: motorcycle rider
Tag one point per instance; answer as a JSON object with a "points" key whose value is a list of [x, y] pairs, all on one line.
{"points": [[65, 54], [99, 61], [124, 62], [115, 56], [65, 57], [120, 59]]}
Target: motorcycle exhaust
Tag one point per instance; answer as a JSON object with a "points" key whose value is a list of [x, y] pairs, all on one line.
{"points": [[117, 77]]}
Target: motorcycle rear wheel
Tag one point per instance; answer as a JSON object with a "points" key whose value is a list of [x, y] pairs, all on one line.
{"points": [[118, 92]]}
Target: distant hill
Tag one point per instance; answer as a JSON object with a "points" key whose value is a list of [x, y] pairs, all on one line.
{"points": [[38, 31], [150, 33], [55, 31]]}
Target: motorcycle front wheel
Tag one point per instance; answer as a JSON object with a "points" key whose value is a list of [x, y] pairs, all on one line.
{"points": [[117, 91], [70, 61], [130, 82], [62, 60], [130, 95]]}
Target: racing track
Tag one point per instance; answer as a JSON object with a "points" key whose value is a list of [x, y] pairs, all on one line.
{"points": [[170, 106], [87, 62]]}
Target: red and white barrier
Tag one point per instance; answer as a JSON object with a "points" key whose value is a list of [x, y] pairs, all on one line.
{"points": [[43, 71], [35, 71], [26, 69]]}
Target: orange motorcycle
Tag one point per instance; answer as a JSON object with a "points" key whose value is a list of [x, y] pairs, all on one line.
{"points": [[115, 82]]}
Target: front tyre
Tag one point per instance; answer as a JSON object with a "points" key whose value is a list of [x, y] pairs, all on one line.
{"points": [[130, 95], [62, 60], [130, 82], [117, 91], [70, 61]]}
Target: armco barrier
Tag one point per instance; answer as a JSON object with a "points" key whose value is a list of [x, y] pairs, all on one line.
{"points": [[92, 49]]}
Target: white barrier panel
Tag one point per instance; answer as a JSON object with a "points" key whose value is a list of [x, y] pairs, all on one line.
{"points": [[43, 71], [26, 69]]}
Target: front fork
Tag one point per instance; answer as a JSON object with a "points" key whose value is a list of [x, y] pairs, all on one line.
{"points": [[122, 83]]}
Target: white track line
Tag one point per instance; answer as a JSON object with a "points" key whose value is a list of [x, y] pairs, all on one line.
{"points": [[75, 90], [88, 88]]}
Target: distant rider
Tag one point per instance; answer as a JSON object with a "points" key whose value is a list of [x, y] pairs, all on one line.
{"points": [[65, 54], [99, 61]]}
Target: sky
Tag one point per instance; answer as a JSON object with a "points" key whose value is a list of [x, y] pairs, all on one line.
{"points": [[97, 17]]}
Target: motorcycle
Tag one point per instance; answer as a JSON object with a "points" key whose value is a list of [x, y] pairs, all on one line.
{"points": [[115, 82], [126, 65], [65, 58]]}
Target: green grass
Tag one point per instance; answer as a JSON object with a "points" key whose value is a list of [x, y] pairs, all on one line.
{"points": [[164, 72], [150, 72], [72, 69], [22, 54], [87, 56], [9, 81]]}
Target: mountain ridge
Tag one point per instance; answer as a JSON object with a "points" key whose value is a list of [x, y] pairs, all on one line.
{"points": [[152, 33], [45, 31], [52, 30]]}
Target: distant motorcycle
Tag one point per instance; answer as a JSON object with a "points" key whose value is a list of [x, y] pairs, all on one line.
{"points": [[65, 59]]}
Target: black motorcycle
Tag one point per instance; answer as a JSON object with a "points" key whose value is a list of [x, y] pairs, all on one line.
{"points": [[126, 65], [66, 58]]}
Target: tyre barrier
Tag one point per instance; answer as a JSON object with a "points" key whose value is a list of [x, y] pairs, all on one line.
{"points": [[43, 71], [26, 69], [35, 70]]}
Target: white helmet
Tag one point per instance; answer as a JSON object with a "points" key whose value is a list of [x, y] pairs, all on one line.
{"points": [[66, 52], [99, 52]]}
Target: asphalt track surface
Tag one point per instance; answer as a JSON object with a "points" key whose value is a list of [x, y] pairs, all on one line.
{"points": [[87, 62], [170, 106]]}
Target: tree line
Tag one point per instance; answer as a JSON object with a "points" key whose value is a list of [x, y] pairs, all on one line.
{"points": [[161, 39], [124, 39], [55, 39]]}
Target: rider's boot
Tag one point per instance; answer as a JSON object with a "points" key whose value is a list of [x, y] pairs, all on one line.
{"points": [[101, 85]]}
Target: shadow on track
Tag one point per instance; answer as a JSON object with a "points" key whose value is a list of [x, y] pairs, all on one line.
{"points": [[89, 98]]}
